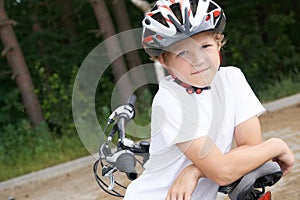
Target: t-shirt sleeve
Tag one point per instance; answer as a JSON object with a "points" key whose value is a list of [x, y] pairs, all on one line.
{"points": [[247, 104]]}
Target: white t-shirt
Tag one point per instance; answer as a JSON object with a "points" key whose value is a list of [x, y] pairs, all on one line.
{"points": [[179, 117]]}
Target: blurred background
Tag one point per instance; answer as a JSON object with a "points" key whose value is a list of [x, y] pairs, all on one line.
{"points": [[44, 42]]}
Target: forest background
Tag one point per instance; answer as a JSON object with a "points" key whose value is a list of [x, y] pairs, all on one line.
{"points": [[55, 36]]}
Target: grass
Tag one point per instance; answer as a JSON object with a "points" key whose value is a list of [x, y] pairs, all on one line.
{"points": [[26, 162], [281, 88], [36, 149]]}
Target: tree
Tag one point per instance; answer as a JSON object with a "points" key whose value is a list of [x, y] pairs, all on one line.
{"points": [[120, 14], [145, 6], [107, 30], [67, 18], [142, 5], [16, 61]]}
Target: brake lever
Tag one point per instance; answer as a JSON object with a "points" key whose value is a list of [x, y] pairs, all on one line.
{"points": [[112, 182], [108, 172]]}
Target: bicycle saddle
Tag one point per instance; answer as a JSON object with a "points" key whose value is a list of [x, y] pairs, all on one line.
{"points": [[246, 188]]}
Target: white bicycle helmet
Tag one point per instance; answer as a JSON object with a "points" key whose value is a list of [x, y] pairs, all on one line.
{"points": [[171, 21]]}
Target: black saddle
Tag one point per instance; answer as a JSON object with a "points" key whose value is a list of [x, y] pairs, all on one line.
{"points": [[252, 185]]}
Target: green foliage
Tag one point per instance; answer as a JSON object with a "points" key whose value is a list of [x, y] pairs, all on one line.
{"points": [[260, 40], [277, 89], [52, 55], [55, 94], [11, 105], [24, 149]]}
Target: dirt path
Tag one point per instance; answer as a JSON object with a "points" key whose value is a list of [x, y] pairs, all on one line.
{"points": [[285, 124], [81, 185]]}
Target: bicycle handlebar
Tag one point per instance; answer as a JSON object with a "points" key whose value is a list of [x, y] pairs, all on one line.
{"points": [[121, 116], [126, 163], [131, 100], [123, 158]]}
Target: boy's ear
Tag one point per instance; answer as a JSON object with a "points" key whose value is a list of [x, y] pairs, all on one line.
{"points": [[221, 57], [161, 60]]}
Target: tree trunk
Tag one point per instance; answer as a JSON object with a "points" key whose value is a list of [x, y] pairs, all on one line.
{"points": [[107, 30], [123, 22], [16, 61], [37, 28], [145, 6], [67, 19], [142, 5]]}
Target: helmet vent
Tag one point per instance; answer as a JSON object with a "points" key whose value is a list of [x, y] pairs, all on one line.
{"points": [[159, 17], [176, 10], [194, 5], [154, 8], [211, 7]]}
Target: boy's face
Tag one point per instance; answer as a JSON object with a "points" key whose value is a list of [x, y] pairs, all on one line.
{"points": [[194, 60]]}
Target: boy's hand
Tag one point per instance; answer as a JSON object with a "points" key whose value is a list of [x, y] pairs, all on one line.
{"points": [[286, 160], [185, 184]]}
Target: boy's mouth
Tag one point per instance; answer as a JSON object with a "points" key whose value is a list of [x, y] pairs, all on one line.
{"points": [[199, 71]]}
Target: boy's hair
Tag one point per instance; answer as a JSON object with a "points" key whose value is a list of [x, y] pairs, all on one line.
{"points": [[169, 22]]}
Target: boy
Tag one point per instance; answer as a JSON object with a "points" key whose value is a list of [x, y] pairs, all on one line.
{"points": [[199, 109]]}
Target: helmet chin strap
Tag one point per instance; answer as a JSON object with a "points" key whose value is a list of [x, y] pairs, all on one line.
{"points": [[189, 88]]}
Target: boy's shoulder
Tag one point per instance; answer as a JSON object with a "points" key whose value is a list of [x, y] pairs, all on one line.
{"points": [[230, 69], [165, 90], [231, 72]]}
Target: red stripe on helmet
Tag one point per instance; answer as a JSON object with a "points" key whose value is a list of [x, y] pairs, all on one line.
{"points": [[207, 18], [148, 39], [217, 13], [168, 20], [181, 4], [181, 7], [150, 14], [160, 37], [166, 7], [190, 11]]}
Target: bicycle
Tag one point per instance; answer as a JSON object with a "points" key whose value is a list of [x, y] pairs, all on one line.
{"points": [[252, 186]]}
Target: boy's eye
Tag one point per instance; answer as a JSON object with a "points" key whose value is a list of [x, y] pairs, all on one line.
{"points": [[206, 46], [182, 53]]}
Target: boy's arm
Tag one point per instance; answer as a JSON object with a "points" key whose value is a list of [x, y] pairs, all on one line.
{"points": [[247, 133], [184, 184], [227, 168]]}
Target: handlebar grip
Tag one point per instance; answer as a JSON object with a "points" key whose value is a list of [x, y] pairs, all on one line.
{"points": [[132, 100], [126, 163]]}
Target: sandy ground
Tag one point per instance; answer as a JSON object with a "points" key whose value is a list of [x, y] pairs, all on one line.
{"points": [[81, 185]]}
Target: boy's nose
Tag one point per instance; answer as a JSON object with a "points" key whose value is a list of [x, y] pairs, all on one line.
{"points": [[198, 58]]}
